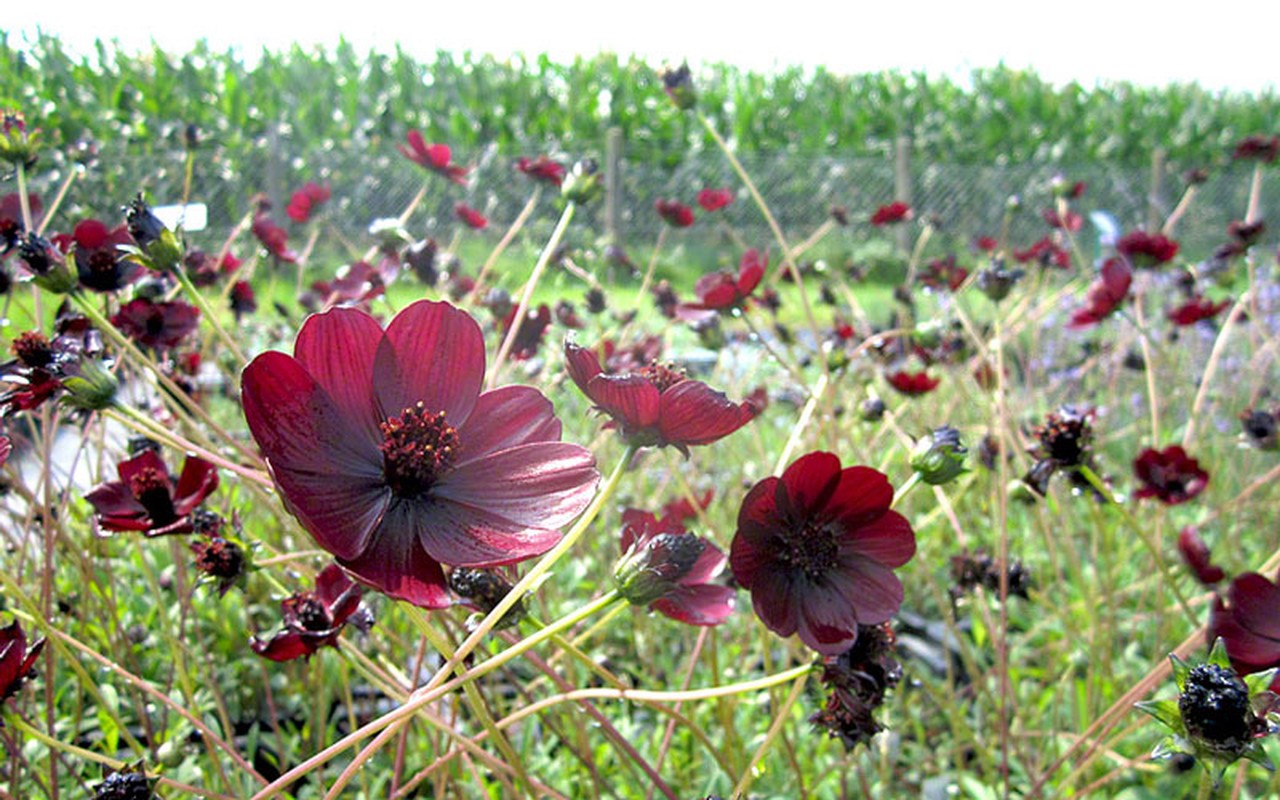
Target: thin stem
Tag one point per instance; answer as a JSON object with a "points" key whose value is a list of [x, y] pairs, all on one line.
{"points": [[544, 258], [199, 299], [749, 774], [906, 488], [506, 240]]}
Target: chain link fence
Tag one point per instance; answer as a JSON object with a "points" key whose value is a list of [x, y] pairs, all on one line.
{"points": [[965, 200]]}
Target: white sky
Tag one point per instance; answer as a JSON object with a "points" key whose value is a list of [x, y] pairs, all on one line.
{"points": [[1228, 46]]}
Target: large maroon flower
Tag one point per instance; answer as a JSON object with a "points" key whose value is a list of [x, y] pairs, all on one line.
{"points": [[656, 405], [100, 262], [17, 663], [314, 619], [146, 498], [385, 449], [433, 157], [817, 548], [1169, 474], [671, 570], [1249, 624]]}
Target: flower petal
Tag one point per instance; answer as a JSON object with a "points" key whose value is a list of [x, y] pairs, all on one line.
{"points": [[695, 414], [337, 350], [828, 623], [537, 485], [807, 485], [861, 495], [431, 353], [396, 565], [630, 399], [506, 417], [775, 596], [466, 536], [333, 485], [582, 364], [198, 480], [887, 540], [870, 589], [705, 604], [1255, 603], [286, 645], [710, 563]]}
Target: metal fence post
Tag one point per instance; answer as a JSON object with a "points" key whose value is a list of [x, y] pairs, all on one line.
{"points": [[613, 186], [902, 185], [1155, 203]]}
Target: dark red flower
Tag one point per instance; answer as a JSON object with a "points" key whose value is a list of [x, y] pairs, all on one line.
{"points": [[387, 452], [205, 270], [474, 219], [674, 213], [1249, 624], [859, 679], [1147, 249], [242, 299], [817, 548], [913, 383], [17, 663], [542, 169], [1196, 555], [100, 262], [1170, 475], [146, 498], [1046, 252], [1258, 148], [530, 331], [1246, 234], [670, 570], [895, 212], [987, 244], [273, 237], [157, 326], [655, 405], [714, 199], [11, 226], [944, 272], [1068, 221], [1066, 438], [1106, 294], [315, 619], [433, 157], [722, 291], [1197, 309], [306, 200]]}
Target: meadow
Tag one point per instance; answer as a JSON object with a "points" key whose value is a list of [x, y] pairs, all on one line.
{"points": [[482, 502]]}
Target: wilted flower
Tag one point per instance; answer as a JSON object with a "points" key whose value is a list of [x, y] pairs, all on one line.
{"points": [[938, 456], [1066, 438], [859, 679], [674, 213], [971, 570], [895, 212], [714, 199], [1170, 475], [223, 560], [436, 158], [817, 548], [17, 662], [315, 619], [129, 783], [670, 570], [384, 447], [655, 405], [483, 590], [146, 499]]}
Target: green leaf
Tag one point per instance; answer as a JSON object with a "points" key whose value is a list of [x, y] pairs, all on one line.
{"points": [[1166, 711]]}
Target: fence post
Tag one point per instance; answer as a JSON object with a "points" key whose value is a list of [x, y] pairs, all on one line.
{"points": [[1155, 206], [613, 186], [902, 185], [274, 159]]}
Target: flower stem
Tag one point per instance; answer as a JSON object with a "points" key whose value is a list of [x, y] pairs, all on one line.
{"points": [[905, 488], [502, 245], [544, 258], [209, 314], [749, 774]]}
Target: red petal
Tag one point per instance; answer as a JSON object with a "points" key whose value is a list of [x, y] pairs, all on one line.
{"points": [[709, 564], [828, 623], [872, 590], [284, 646], [630, 399], [506, 417], [146, 460], [706, 604], [808, 484], [115, 499], [337, 350], [431, 353], [887, 540], [1255, 603], [198, 480], [465, 536], [695, 414], [582, 364], [397, 566], [774, 597], [861, 495], [538, 485]]}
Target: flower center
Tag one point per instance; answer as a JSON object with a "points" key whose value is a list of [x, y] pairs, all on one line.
{"points": [[418, 448], [33, 349], [311, 614], [662, 376], [151, 488], [812, 550]]}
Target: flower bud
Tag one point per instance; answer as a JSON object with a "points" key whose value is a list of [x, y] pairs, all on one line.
{"points": [[997, 282], [17, 144], [583, 183], [678, 83], [939, 456], [93, 389], [483, 590], [47, 264], [650, 571], [159, 246], [872, 409]]}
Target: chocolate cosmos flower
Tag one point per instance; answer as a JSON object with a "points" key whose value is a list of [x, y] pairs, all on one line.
{"points": [[434, 157], [383, 446], [314, 619], [1170, 475], [1249, 624], [817, 548], [146, 498]]}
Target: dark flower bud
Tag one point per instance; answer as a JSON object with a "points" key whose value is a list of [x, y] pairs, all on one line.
{"points": [[872, 409], [498, 301], [596, 300], [483, 590], [996, 283], [584, 182], [651, 570], [158, 243], [1259, 429], [939, 456], [1215, 708], [421, 258], [51, 271], [93, 389], [130, 783], [678, 83], [17, 144]]}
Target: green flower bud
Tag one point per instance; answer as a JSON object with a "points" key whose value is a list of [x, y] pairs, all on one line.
{"points": [[93, 389], [17, 144], [679, 85], [49, 269], [583, 183], [938, 456], [651, 568], [160, 248]]}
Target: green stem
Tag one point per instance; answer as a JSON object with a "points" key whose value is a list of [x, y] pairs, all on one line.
{"points": [[209, 314], [905, 488], [749, 774], [544, 258]]}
